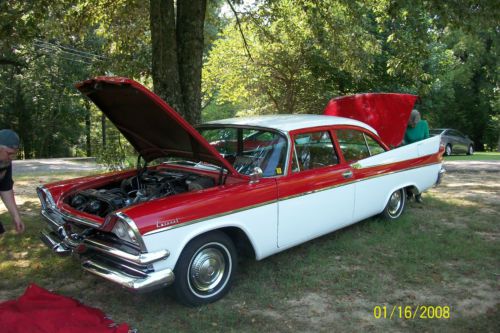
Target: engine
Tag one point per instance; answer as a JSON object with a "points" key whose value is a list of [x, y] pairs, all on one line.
{"points": [[146, 186]]}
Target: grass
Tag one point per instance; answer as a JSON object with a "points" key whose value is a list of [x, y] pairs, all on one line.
{"points": [[444, 252], [477, 156]]}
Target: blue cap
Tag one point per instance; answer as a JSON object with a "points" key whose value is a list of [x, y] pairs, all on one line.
{"points": [[9, 138]]}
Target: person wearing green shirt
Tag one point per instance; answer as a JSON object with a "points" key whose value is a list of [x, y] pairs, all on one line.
{"points": [[417, 129]]}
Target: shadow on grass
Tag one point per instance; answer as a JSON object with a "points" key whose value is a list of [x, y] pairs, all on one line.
{"points": [[428, 251]]}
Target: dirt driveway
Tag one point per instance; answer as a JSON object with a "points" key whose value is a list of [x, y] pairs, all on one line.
{"points": [[54, 165]]}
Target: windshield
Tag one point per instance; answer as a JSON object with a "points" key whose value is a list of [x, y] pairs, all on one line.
{"points": [[247, 148]]}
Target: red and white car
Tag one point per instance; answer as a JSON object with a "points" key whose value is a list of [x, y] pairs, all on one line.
{"points": [[201, 197]]}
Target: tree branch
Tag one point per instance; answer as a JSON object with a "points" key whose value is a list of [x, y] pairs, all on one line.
{"points": [[241, 30], [5, 61]]}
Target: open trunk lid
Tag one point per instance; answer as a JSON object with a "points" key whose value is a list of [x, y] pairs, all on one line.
{"points": [[387, 113]]}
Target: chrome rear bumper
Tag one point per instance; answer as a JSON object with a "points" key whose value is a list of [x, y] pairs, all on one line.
{"points": [[440, 176]]}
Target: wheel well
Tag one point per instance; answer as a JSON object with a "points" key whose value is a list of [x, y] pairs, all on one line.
{"points": [[411, 189], [240, 240]]}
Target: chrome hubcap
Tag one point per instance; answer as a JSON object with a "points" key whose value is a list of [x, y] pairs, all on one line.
{"points": [[207, 269], [395, 203]]}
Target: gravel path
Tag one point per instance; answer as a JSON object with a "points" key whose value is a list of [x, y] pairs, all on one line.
{"points": [[466, 166], [54, 165]]}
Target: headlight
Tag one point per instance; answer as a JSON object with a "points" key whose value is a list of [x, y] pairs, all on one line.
{"points": [[123, 231]]}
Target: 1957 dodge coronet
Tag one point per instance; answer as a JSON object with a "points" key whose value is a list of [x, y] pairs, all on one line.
{"points": [[200, 197]]}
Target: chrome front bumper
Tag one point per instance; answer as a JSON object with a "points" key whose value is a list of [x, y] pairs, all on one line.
{"points": [[121, 270], [130, 269], [152, 281]]}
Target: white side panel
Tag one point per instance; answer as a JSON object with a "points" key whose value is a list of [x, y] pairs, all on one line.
{"points": [[312, 215], [373, 194], [418, 149], [259, 224]]}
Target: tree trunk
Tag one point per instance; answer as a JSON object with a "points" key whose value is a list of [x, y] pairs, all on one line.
{"points": [[498, 145], [25, 125], [190, 21], [165, 68], [177, 54], [88, 124]]}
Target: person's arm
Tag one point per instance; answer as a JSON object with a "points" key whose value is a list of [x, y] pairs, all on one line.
{"points": [[10, 202]]}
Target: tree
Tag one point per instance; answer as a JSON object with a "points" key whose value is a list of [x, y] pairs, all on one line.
{"points": [[177, 53]]}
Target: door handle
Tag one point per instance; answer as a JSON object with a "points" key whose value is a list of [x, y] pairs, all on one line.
{"points": [[347, 174]]}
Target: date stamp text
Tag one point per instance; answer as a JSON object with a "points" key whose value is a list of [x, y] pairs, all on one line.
{"points": [[411, 312]]}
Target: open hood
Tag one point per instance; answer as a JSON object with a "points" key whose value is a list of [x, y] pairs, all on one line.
{"points": [[387, 113], [149, 123]]}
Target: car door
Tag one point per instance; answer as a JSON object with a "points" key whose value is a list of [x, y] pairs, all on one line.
{"points": [[317, 195], [463, 141], [457, 142], [372, 184]]}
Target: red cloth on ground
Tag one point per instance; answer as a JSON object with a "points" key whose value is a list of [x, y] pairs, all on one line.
{"points": [[40, 311]]}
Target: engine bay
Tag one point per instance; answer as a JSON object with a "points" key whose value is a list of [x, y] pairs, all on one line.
{"points": [[145, 186]]}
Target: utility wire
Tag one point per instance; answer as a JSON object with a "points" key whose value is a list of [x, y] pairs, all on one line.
{"points": [[68, 50]]}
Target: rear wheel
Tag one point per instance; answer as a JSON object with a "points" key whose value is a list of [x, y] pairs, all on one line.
{"points": [[447, 150], [205, 269], [395, 205], [470, 151]]}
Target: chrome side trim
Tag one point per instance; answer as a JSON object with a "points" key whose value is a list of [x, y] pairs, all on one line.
{"points": [[210, 217], [151, 281], [79, 220], [281, 199], [141, 259]]}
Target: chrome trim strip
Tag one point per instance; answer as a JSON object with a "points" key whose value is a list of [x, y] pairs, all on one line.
{"points": [[210, 217], [141, 259], [353, 181], [53, 208], [79, 220], [278, 200], [152, 281]]}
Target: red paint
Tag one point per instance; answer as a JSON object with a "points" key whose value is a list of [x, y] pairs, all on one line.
{"points": [[191, 206], [240, 194], [387, 113]]}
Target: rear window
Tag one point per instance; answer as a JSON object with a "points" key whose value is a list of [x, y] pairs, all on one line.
{"points": [[356, 145]]}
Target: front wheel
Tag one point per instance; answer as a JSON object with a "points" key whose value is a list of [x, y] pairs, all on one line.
{"points": [[205, 269], [395, 205], [470, 151]]}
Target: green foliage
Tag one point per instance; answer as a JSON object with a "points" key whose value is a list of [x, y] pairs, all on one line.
{"points": [[46, 48], [300, 54]]}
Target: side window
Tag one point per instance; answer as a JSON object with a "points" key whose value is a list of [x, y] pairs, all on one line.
{"points": [[313, 150], [373, 146], [353, 145]]}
